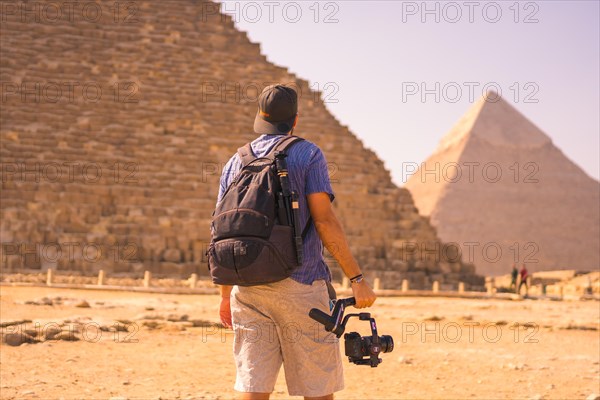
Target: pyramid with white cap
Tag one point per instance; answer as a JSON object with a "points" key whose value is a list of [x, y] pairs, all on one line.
{"points": [[498, 187]]}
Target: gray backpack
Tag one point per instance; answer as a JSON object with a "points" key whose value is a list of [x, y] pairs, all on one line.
{"points": [[255, 234]]}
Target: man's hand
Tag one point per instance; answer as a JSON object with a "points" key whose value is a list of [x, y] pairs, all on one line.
{"points": [[225, 312], [364, 295]]}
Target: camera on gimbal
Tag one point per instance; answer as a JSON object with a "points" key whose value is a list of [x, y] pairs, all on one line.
{"points": [[361, 350]]}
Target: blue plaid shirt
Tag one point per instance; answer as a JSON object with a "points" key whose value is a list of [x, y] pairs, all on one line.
{"points": [[308, 174]]}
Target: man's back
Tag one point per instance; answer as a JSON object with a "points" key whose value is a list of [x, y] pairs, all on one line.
{"points": [[307, 170]]}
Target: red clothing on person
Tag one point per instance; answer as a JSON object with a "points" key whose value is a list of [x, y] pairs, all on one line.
{"points": [[523, 274]]}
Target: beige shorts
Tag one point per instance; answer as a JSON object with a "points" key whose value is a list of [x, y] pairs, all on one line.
{"points": [[272, 327]]}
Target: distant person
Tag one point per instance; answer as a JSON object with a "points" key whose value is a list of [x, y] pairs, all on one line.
{"points": [[513, 277], [524, 276], [589, 289]]}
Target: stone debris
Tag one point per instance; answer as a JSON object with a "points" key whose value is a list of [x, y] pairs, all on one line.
{"points": [[44, 301], [156, 316], [516, 367], [405, 360], [83, 304], [51, 333], [72, 329], [72, 326], [580, 327], [31, 332], [152, 324], [59, 300], [115, 327], [201, 323], [120, 327], [11, 323], [68, 336], [17, 339], [175, 317]]}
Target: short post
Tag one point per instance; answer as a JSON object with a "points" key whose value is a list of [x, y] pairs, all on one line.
{"points": [[405, 285], [489, 284], [436, 287], [147, 277], [345, 283], [101, 277], [461, 287], [561, 289], [193, 280], [49, 276], [377, 284]]}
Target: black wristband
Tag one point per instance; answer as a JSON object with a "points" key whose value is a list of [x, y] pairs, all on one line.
{"points": [[357, 277]]}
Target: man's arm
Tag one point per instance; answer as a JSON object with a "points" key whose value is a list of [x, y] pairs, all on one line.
{"points": [[333, 237], [225, 290], [225, 308]]}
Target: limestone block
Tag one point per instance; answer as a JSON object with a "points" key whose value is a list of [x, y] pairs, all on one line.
{"points": [[172, 255]]}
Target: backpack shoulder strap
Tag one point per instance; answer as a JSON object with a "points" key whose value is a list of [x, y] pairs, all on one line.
{"points": [[246, 154], [307, 226], [284, 144]]}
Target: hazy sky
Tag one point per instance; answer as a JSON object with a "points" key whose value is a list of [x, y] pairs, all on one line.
{"points": [[374, 60]]}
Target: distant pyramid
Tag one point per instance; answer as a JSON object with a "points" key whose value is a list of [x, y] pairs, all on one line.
{"points": [[498, 187]]}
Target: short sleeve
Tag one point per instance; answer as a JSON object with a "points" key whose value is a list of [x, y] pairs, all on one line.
{"points": [[317, 175], [230, 170]]}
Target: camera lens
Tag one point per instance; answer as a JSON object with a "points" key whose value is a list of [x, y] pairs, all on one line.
{"points": [[387, 343]]}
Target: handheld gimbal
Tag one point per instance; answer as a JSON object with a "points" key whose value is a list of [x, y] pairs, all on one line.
{"points": [[356, 347]]}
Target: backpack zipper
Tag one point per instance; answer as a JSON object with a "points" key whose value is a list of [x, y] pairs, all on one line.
{"points": [[249, 210]]}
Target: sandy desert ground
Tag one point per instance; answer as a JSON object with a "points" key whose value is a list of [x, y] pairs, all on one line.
{"points": [[165, 347]]}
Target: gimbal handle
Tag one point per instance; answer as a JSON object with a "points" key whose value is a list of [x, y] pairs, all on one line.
{"points": [[335, 323]]}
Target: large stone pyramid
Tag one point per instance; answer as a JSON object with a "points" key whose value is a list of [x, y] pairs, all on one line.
{"points": [[120, 170], [518, 194]]}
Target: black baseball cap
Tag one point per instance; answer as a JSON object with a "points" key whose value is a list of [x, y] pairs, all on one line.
{"points": [[277, 110]]}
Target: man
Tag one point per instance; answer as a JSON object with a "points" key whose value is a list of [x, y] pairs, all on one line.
{"points": [[513, 277], [271, 322], [524, 275]]}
